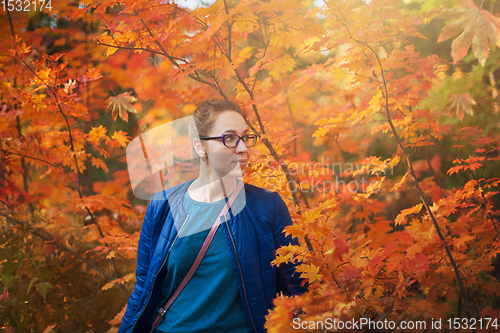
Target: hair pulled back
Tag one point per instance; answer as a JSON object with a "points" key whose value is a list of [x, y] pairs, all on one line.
{"points": [[205, 115]]}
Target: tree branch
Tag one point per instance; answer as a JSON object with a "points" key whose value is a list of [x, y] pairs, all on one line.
{"points": [[412, 172], [139, 49], [67, 249], [434, 173], [457, 156], [58, 104], [43, 161], [174, 62], [289, 106]]}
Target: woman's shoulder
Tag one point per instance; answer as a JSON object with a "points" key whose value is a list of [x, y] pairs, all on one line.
{"points": [[167, 194], [173, 196], [264, 199], [257, 193]]}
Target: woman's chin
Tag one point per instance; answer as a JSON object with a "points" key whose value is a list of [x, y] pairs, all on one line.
{"points": [[238, 171]]}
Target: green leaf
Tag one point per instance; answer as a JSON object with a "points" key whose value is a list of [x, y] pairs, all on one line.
{"points": [[33, 280], [43, 287], [9, 268], [7, 280]]}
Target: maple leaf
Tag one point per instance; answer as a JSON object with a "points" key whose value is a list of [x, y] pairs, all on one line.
{"points": [[118, 318], [349, 273], [92, 74], [310, 271], [283, 64], [49, 328], [477, 26], [97, 133], [460, 104], [97, 162], [312, 214], [413, 210], [120, 105], [400, 183], [120, 138], [69, 86], [122, 280]]}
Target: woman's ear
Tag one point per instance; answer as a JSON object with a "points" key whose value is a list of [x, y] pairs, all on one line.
{"points": [[198, 147]]}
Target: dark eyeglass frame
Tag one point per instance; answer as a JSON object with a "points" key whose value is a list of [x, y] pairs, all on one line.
{"points": [[237, 141]]}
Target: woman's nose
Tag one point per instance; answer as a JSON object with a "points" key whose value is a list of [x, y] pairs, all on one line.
{"points": [[241, 147]]}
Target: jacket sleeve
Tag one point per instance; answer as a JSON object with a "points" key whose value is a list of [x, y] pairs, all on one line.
{"points": [[143, 260], [288, 280]]}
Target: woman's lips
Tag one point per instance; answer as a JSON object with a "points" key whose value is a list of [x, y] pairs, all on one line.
{"points": [[241, 162]]}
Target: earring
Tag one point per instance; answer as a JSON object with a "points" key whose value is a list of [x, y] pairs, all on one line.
{"points": [[203, 158]]}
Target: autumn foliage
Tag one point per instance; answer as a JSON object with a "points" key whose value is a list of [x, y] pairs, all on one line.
{"points": [[378, 120]]}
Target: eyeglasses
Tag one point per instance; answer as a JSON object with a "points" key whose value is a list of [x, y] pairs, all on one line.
{"points": [[232, 140]]}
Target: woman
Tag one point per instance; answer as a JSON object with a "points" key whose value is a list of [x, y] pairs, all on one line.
{"points": [[235, 283]]}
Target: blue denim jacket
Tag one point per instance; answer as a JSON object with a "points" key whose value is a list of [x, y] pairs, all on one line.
{"points": [[253, 236]]}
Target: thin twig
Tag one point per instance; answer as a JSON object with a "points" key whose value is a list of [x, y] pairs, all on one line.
{"points": [[174, 62], [139, 49], [457, 156], [67, 249], [44, 161]]}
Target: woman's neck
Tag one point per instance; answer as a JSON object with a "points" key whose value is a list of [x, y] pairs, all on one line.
{"points": [[205, 190]]}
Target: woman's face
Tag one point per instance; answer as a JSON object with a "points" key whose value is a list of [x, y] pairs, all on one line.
{"points": [[224, 160]]}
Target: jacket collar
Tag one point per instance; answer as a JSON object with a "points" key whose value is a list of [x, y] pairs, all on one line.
{"points": [[175, 198]]}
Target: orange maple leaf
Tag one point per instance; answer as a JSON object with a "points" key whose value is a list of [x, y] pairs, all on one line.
{"points": [[120, 105], [476, 26], [120, 138], [97, 162]]}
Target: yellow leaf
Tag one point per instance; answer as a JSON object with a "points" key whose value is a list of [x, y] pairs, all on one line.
{"points": [[400, 183], [120, 138], [283, 64], [97, 133], [312, 214], [110, 51], [111, 254], [320, 132], [413, 210], [375, 101], [394, 161], [375, 186], [108, 285], [417, 208], [120, 105], [310, 272], [245, 53]]}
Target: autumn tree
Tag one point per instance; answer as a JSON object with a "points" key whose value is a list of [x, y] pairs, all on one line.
{"points": [[67, 221]]}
